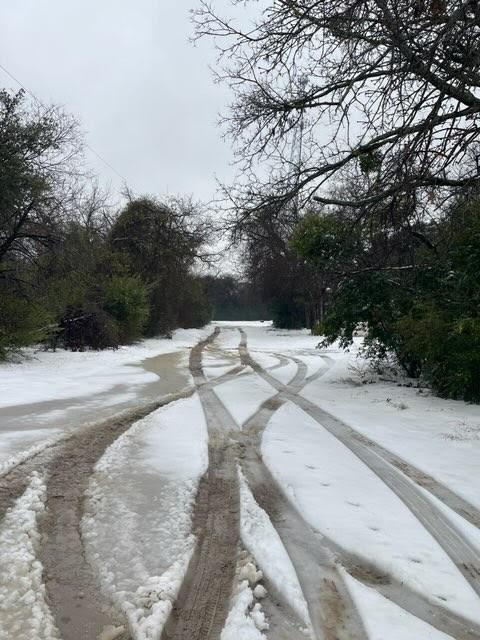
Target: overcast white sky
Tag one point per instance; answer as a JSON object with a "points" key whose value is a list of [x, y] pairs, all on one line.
{"points": [[143, 93]]}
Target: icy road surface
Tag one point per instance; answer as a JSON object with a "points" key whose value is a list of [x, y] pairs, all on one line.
{"points": [[234, 483]]}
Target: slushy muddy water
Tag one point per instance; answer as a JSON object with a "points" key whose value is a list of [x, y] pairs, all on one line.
{"points": [[27, 424]]}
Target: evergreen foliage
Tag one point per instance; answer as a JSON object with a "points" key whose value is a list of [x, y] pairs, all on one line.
{"points": [[426, 311]]}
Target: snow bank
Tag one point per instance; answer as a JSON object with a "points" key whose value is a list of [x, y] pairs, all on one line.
{"points": [[245, 620], [24, 613], [346, 501], [240, 624], [9, 462], [144, 487], [263, 542]]}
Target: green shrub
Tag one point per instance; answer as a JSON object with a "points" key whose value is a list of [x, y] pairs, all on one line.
{"points": [[195, 308], [21, 323], [449, 350], [126, 302], [421, 304], [318, 328]]}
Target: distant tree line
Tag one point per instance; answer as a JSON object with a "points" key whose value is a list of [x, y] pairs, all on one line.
{"points": [[234, 298], [73, 271]]}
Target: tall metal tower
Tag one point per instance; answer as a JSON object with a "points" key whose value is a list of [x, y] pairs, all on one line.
{"points": [[296, 150]]}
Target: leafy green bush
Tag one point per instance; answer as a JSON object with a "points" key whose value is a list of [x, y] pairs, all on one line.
{"points": [[449, 350], [326, 241], [419, 301], [195, 309], [21, 323], [88, 327], [126, 302]]}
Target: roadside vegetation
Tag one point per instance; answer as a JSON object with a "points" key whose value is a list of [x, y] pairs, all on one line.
{"points": [[358, 127], [74, 271]]}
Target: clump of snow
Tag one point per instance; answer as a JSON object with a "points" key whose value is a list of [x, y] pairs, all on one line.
{"points": [[111, 633], [145, 486], [148, 610], [24, 613], [260, 592], [249, 572], [246, 619], [264, 544]]}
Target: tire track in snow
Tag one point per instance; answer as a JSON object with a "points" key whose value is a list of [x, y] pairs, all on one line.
{"points": [[72, 590], [223, 432], [368, 574], [464, 556], [203, 603], [440, 491], [331, 609], [283, 361], [298, 380], [452, 500], [71, 583]]}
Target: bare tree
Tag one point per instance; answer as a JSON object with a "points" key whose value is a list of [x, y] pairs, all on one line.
{"points": [[391, 84]]}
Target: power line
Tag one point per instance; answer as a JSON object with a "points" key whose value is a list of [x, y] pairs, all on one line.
{"points": [[90, 148]]}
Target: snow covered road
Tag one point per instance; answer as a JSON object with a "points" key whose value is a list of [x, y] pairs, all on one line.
{"points": [[283, 499]]}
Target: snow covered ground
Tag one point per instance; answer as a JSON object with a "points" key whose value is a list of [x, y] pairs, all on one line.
{"points": [[48, 393], [440, 437], [144, 488], [45, 375], [244, 395], [345, 501], [24, 613], [137, 526]]}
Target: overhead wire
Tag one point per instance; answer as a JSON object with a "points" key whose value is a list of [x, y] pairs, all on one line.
{"points": [[87, 146]]}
